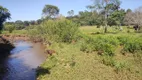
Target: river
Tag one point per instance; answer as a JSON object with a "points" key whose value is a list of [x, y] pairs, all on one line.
{"points": [[23, 60]]}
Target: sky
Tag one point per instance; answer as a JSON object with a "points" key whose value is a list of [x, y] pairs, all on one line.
{"points": [[32, 9]]}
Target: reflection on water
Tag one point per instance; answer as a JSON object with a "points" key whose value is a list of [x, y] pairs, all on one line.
{"points": [[23, 61]]}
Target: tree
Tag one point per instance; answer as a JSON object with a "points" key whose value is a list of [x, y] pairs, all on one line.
{"points": [[116, 18], [4, 15], [128, 10], [50, 11], [105, 7], [88, 18], [129, 18], [39, 21], [19, 25], [26, 23], [71, 13], [134, 18]]}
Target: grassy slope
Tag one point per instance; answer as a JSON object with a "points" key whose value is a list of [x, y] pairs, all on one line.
{"points": [[69, 63]]}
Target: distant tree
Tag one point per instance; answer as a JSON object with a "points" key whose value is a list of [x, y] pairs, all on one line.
{"points": [[26, 23], [19, 25], [128, 10], [116, 18], [71, 13], [134, 18], [129, 18], [32, 22], [4, 15], [39, 21], [50, 11], [105, 7]]}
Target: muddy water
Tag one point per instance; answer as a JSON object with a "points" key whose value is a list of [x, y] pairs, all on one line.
{"points": [[23, 61]]}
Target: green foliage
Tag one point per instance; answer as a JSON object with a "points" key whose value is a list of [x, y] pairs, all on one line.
{"points": [[108, 61], [120, 66], [116, 18], [74, 61], [20, 24], [50, 11], [57, 30], [9, 27], [52, 62], [4, 15], [123, 39], [133, 45], [105, 44]]}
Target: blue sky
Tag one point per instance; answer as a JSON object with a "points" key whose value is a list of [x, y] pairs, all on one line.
{"points": [[32, 9]]}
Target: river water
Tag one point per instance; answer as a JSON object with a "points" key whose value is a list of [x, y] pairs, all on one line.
{"points": [[23, 60]]}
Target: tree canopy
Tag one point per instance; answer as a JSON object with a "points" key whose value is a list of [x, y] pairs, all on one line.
{"points": [[4, 15], [50, 11]]}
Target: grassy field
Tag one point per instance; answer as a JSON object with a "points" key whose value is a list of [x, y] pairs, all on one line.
{"points": [[79, 60]]}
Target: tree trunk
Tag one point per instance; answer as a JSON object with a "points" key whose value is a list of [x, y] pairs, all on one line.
{"points": [[105, 31]]}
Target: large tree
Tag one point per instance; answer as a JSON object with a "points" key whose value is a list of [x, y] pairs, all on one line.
{"points": [[50, 11], [4, 15], [106, 8]]}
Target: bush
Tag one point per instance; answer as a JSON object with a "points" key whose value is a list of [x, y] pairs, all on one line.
{"points": [[133, 45], [58, 30], [120, 66], [105, 44], [123, 39], [108, 61], [9, 27]]}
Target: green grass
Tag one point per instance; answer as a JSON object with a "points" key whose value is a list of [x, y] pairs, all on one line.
{"points": [[16, 32], [111, 30], [70, 63]]}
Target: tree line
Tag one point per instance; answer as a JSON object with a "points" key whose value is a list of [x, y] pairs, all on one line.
{"points": [[101, 13]]}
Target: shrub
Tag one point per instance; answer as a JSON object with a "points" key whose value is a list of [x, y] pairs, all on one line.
{"points": [[108, 61], [123, 39], [130, 43], [120, 66], [133, 45], [58, 30], [10, 28], [105, 44]]}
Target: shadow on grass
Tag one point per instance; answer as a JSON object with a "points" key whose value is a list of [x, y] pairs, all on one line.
{"points": [[42, 71]]}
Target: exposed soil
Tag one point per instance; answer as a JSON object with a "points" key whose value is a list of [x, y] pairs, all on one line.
{"points": [[16, 37]]}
